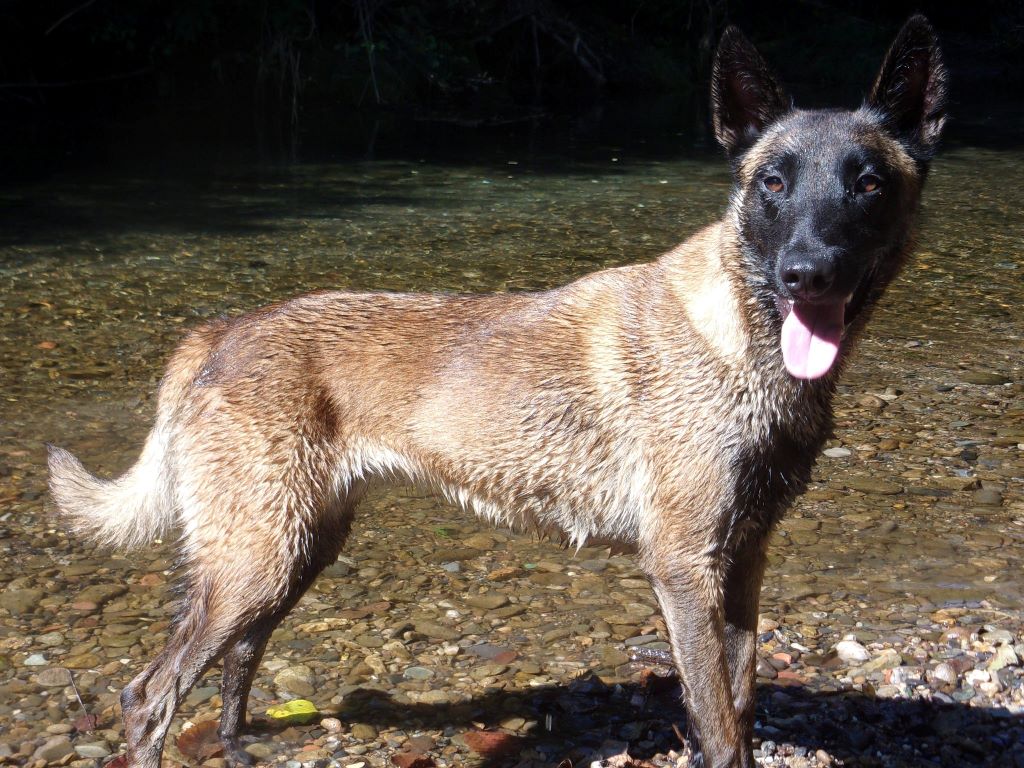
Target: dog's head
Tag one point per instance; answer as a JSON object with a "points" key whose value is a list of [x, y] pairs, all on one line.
{"points": [[825, 199]]}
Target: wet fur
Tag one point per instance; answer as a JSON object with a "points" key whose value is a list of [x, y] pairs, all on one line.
{"points": [[647, 405]]}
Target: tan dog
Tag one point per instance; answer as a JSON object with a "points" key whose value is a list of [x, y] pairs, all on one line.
{"points": [[676, 406]]}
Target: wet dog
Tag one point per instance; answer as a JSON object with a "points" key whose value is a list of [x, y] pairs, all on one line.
{"points": [[675, 406]]}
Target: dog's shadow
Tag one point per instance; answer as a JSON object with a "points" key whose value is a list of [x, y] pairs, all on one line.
{"points": [[575, 721]]}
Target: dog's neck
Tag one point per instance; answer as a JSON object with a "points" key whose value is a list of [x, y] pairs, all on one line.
{"points": [[728, 305]]}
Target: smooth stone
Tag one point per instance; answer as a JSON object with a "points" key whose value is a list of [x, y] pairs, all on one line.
{"points": [[487, 650], [370, 641], [20, 601], [437, 631], [417, 673], [632, 642], [95, 750], [837, 453], [54, 677], [985, 377], [548, 579], [997, 635], [83, 661], [434, 697], [35, 660], [765, 670], [298, 679], [54, 749], [1004, 657], [479, 541], [454, 555], [866, 484], [487, 602], [331, 724], [200, 695], [987, 497], [887, 659], [260, 751], [100, 593], [852, 652], [363, 732]]}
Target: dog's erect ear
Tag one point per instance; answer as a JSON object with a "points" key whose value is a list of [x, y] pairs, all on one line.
{"points": [[745, 96], [910, 90]]}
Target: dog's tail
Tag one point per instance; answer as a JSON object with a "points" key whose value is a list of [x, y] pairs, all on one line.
{"points": [[125, 512], [140, 505]]}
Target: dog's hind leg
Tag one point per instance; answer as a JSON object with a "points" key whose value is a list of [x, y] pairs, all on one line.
{"points": [[252, 546], [243, 659]]}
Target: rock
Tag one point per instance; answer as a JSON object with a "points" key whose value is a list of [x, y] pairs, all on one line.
{"points": [[50, 639], [331, 724], [988, 497], [35, 660], [437, 631], [991, 378], [83, 661], [871, 402], [945, 673], [95, 750], [1004, 656], [298, 679], [851, 652], [612, 657], [20, 601], [54, 677], [640, 640], [887, 659], [54, 749], [417, 673], [262, 752], [201, 694], [363, 732], [101, 594], [837, 453], [997, 636], [954, 482], [487, 602], [866, 484], [548, 579], [479, 541], [765, 670], [454, 555], [434, 697], [504, 574]]}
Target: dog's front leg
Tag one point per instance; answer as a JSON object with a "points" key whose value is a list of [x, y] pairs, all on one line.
{"points": [[742, 596], [689, 588]]}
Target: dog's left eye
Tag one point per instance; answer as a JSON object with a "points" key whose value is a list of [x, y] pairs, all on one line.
{"points": [[868, 183], [774, 184]]}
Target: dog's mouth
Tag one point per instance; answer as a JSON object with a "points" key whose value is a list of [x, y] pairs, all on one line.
{"points": [[811, 335], [812, 332]]}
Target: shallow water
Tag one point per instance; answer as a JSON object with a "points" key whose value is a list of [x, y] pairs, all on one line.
{"points": [[100, 274]]}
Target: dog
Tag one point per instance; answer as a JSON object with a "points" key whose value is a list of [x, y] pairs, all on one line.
{"points": [[676, 407]]}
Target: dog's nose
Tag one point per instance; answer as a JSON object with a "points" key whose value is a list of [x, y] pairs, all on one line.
{"points": [[807, 278]]}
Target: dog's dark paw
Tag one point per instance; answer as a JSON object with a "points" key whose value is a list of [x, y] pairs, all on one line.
{"points": [[234, 755]]}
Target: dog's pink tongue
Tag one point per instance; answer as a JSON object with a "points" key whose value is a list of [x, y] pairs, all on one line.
{"points": [[810, 338]]}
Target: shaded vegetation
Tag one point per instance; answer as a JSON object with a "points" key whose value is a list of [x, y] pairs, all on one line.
{"points": [[90, 62]]}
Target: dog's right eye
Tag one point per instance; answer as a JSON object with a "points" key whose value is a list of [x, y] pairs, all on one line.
{"points": [[774, 184]]}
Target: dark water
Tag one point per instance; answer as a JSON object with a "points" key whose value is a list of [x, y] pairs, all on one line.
{"points": [[102, 271]]}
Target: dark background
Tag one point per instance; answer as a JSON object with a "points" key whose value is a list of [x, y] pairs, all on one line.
{"points": [[81, 80]]}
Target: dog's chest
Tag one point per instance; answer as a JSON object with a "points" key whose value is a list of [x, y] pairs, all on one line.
{"points": [[774, 449]]}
